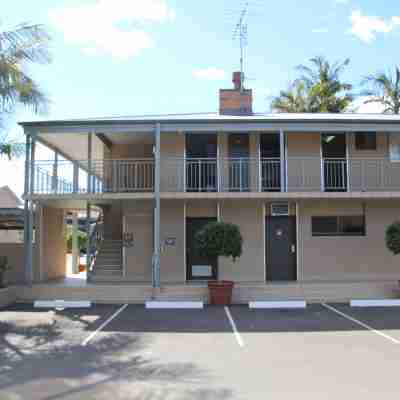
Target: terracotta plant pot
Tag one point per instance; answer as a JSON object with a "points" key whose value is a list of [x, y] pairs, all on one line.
{"points": [[220, 292], [82, 267]]}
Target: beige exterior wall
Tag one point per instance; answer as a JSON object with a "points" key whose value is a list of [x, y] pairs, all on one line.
{"points": [[52, 244], [173, 258], [137, 217], [304, 164], [137, 263], [121, 151], [15, 254], [248, 215], [347, 258], [172, 149]]}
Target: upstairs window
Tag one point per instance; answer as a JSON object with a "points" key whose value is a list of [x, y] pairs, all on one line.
{"points": [[394, 145], [346, 225], [365, 140]]}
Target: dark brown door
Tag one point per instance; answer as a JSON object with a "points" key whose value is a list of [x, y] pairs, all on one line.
{"points": [[281, 248], [198, 267]]}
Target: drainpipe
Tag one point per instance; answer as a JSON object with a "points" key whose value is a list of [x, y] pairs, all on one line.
{"points": [[75, 248], [156, 256]]}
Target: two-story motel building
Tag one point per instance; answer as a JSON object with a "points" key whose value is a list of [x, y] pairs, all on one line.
{"points": [[311, 193]]}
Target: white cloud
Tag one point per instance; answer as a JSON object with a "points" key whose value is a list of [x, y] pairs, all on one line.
{"points": [[366, 27], [211, 73], [106, 26], [360, 106]]}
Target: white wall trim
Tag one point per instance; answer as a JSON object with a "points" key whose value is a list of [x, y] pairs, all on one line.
{"points": [[62, 304], [123, 247], [264, 239], [184, 244], [278, 304], [298, 244], [174, 305], [375, 303]]}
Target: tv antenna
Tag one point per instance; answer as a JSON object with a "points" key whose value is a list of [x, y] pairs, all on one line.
{"points": [[240, 33]]}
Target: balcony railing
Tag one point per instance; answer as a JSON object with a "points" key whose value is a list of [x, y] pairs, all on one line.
{"points": [[295, 174], [95, 176]]}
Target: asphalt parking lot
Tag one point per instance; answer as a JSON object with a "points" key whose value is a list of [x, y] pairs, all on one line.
{"points": [[127, 352]]}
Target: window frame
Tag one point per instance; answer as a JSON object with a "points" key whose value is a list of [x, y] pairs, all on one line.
{"points": [[359, 145], [339, 232]]}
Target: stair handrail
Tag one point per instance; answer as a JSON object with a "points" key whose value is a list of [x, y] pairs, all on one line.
{"points": [[96, 238]]}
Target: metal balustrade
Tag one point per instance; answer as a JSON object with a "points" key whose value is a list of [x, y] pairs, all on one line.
{"points": [[335, 174], [299, 174]]}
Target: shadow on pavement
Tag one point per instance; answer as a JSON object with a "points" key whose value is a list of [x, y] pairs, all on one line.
{"points": [[36, 362]]}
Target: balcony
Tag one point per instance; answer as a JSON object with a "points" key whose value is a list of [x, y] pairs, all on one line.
{"points": [[295, 174]]}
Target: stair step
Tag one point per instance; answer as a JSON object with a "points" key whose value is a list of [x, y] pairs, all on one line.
{"points": [[109, 266]]}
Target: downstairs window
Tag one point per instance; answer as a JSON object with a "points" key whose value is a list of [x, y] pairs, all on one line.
{"points": [[346, 225]]}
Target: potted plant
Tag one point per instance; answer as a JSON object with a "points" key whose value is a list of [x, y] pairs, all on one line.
{"points": [[4, 266], [392, 238], [219, 239]]}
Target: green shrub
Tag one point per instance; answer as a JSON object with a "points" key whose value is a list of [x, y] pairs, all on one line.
{"points": [[82, 241], [219, 239], [4, 266], [392, 237]]}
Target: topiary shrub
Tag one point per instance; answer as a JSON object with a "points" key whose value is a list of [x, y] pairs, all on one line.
{"points": [[219, 239], [392, 237]]}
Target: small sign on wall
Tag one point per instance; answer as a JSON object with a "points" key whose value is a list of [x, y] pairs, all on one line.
{"points": [[201, 271], [170, 241]]}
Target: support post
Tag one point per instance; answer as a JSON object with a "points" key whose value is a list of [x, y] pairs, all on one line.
{"points": [[75, 180], [89, 172], [26, 208], [282, 159], [157, 240], [29, 254], [75, 248], [54, 181], [88, 244]]}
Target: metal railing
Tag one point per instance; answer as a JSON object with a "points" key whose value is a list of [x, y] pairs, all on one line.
{"points": [[94, 176], [46, 183], [201, 174], [299, 174], [335, 174], [270, 174]]}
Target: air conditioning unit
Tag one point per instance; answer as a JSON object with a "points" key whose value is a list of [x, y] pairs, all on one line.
{"points": [[279, 209]]}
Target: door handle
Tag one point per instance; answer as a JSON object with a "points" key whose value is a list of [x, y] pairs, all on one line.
{"points": [[293, 249]]}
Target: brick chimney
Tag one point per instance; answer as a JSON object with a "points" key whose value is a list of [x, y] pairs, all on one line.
{"points": [[236, 101]]}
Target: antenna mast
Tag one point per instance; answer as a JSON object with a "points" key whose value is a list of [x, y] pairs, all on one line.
{"points": [[240, 32]]}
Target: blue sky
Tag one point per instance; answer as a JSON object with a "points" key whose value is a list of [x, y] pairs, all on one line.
{"points": [[127, 57]]}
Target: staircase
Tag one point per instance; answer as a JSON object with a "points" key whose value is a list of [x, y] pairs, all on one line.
{"points": [[108, 263]]}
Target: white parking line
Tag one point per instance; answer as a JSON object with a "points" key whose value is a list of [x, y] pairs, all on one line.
{"points": [[106, 322], [364, 325], [233, 325]]}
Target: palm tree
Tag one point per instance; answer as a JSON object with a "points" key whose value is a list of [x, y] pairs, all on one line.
{"points": [[319, 89], [385, 90], [325, 87], [20, 47], [295, 99]]}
